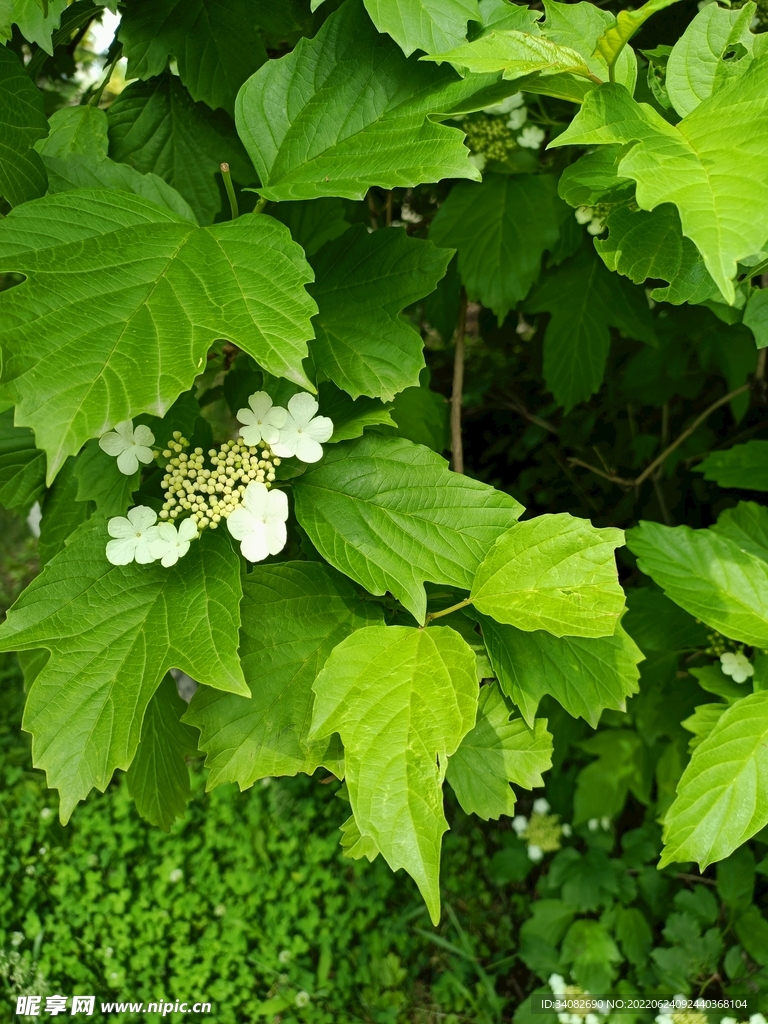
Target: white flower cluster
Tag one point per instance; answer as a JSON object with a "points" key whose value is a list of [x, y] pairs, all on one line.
{"points": [[737, 666], [543, 830], [234, 486]]}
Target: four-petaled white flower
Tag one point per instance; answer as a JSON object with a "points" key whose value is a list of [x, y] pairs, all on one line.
{"points": [[303, 432], [134, 537], [171, 544], [262, 422], [541, 806], [130, 446], [531, 137], [259, 523], [737, 666]]}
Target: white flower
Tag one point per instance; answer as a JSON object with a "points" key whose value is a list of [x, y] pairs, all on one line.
{"points": [[557, 984], [583, 214], [596, 226], [259, 523], [303, 432], [479, 161], [730, 1020], [664, 1018], [410, 216], [541, 806], [591, 1018], [593, 824], [757, 1018], [34, 518], [535, 853], [171, 544], [302, 998], [520, 823], [510, 103], [262, 422], [531, 137], [176, 875], [134, 537], [605, 823], [736, 666], [130, 446], [566, 829], [517, 118]]}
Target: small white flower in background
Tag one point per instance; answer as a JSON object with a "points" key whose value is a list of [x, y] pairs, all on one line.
{"points": [[566, 829], [520, 823], [596, 226], [541, 806], [17, 938], [531, 137], [605, 823], [517, 118], [176, 875], [591, 1018], [583, 214], [130, 446], [479, 160], [593, 824], [259, 523], [564, 1018], [728, 1020], [557, 983], [262, 422], [134, 536], [46, 813], [34, 519], [302, 998], [535, 853], [304, 431], [757, 1018], [171, 544], [737, 666], [410, 216], [219, 910], [664, 1018], [284, 956], [513, 102]]}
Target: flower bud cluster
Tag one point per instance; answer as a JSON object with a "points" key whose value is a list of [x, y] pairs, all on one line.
{"points": [[593, 216], [212, 491]]}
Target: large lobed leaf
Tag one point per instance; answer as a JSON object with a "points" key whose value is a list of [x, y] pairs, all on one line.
{"points": [[430, 25], [390, 515], [721, 797], [554, 572], [293, 615], [215, 42], [22, 466], [22, 123], [363, 282], [345, 111], [499, 750], [713, 165], [744, 466], [123, 299], [113, 632], [709, 575], [402, 700]]}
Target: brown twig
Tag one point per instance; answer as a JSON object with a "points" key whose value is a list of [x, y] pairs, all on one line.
{"points": [[517, 406], [389, 208], [661, 459], [457, 447]]}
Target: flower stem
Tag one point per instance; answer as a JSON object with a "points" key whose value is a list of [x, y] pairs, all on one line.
{"points": [[230, 190], [447, 611]]}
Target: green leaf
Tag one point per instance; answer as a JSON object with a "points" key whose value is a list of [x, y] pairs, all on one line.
{"points": [[712, 165], [752, 932], [580, 26], [430, 25], [402, 700], [621, 767], [156, 127], [591, 953], [554, 572], [593, 179], [709, 576], [499, 750], [36, 21], [22, 123], [712, 679], [75, 157], [100, 481], [215, 42], [702, 722], [642, 245], [363, 282], [501, 228], [657, 624], [422, 416], [158, 779], [22, 466], [62, 513], [390, 515], [584, 675], [585, 300], [747, 526], [375, 127], [74, 332], [614, 39], [314, 222], [500, 14], [113, 633], [721, 801], [354, 845], [516, 54], [743, 466], [293, 615], [351, 417], [697, 65], [756, 316]]}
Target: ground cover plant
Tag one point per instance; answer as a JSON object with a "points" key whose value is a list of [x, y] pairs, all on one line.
{"points": [[252, 300]]}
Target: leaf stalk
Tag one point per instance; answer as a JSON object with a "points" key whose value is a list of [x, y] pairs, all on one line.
{"points": [[225, 173]]}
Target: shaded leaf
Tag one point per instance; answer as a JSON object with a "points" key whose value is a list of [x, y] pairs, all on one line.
{"points": [[22, 466], [743, 466], [22, 123]]}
